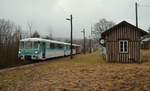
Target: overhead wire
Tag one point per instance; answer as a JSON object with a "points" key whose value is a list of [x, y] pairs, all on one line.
{"points": [[142, 5]]}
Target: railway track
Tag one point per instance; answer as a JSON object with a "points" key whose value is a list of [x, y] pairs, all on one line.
{"points": [[33, 63]]}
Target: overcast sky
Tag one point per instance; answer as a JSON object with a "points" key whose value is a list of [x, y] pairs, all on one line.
{"points": [[51, 14]]}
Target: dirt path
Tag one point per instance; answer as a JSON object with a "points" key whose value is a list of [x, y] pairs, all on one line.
{"points": [[84, 73]]}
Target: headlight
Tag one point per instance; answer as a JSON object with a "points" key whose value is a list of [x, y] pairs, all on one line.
{"points": [[36, 52], [19, 52]]}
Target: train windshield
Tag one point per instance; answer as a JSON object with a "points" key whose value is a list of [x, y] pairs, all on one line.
{"points": [[21, 45], [35, 45], [28, 45]]}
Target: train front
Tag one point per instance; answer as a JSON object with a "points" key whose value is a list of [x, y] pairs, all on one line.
{"points": [[29, 50]]}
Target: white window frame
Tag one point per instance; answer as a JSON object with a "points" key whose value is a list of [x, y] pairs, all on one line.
{"points": [[123, 51]]}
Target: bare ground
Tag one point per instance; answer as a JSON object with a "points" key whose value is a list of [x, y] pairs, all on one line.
{"points": [[84, 73]]}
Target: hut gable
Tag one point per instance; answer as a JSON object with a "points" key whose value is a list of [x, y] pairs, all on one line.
{"points": [[123, 42], [124, 24]]}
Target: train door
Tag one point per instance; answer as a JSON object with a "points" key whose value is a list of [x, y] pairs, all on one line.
{"points": [[65, 50], [43, 49]]}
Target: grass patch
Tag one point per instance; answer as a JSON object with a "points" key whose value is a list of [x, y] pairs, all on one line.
{"points": [[87, 72]]}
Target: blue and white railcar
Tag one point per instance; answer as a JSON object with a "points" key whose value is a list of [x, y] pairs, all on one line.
{"points": [[40, 49]]}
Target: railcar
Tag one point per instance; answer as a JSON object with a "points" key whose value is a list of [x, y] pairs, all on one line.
{"points": [[41, 49]]}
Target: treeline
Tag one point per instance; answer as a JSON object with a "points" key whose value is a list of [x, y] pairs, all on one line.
{"points": [[9, 43], [10, 34]]}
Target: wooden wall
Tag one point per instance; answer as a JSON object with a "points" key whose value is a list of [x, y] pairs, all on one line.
{"points": [[123, 32]]}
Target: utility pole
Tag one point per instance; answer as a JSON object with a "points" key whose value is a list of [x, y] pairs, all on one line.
{"points": [[84, 40], [70, 19], [136, 13], [30, 26], [91, 41], [90, 44]]}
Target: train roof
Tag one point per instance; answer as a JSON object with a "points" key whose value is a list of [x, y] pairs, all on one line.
{"points": [[47, 40], [43, 40]]}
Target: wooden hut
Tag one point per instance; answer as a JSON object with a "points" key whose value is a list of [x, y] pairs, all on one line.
{"points": [[122, 43]]}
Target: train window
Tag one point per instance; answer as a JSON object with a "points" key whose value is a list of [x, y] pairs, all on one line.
{"points": [[21, 45], [52, 45], [60, 46], [35, 44], [73, 47], [49, 45], [28, 45], [56, 45]]}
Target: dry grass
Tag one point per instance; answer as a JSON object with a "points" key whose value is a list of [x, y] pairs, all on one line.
{"points": [[84, 73]]}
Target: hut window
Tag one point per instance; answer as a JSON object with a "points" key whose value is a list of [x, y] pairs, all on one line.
{"points": [[123, 46]]}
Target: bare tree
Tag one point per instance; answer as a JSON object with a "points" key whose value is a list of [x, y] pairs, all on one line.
{"points": [[19, 32], [30, 27], [99, 28], [102, 26], [9, 43], [35, 35], [25, 34], [50, 33]]}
